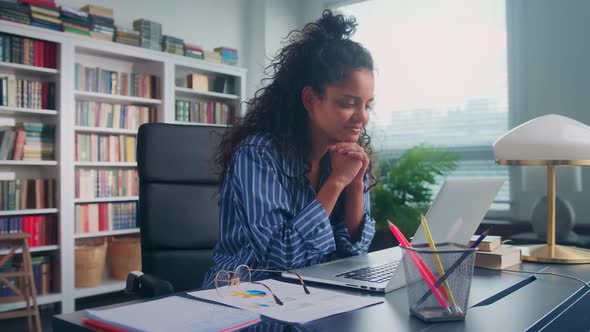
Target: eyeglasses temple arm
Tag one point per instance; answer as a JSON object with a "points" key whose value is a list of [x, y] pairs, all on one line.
{"points": [[277, 300]]}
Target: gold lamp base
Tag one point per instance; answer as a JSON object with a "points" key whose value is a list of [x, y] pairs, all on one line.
{"points": [[551, 252], [555, 254]]}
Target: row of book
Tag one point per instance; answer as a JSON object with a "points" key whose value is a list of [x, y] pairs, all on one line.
{"points": [[92, 183], [26, 140], [42, 228], [204, 112], [26, 93], [27, 51], [110, 148], [44, 276], [112, 82], [105, 115], [92, 218], [22, 194]]}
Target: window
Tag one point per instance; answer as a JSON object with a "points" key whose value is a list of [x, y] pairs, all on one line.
{"points": [[441, 78]]}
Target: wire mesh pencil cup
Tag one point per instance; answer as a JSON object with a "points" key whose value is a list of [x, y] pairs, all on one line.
{"points": [[453, 293]]}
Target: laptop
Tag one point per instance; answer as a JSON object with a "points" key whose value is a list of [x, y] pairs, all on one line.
{"points": [[455, 214]]}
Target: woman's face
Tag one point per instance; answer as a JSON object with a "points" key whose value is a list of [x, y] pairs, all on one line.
{"points": [[341, 113]]}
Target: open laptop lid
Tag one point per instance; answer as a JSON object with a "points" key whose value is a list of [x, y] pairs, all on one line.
{"points": [[458, 209]]}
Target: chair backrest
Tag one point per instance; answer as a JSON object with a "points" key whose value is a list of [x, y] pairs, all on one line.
{"points": [[178, 196]]}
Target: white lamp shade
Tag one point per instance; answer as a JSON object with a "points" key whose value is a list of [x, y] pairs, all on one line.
{"points": [[549, 137], [568, 179]]}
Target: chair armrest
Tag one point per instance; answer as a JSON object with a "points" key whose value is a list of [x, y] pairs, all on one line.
{"points": [[146, 285]]}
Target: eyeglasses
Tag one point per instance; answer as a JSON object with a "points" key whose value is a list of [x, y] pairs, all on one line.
{"points": [[227, 282]]}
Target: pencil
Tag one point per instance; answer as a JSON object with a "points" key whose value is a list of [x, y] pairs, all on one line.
{"points": [[422, 269], [437, 262]]}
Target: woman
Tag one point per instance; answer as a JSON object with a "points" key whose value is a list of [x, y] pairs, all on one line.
{"points": [[296, 170]]}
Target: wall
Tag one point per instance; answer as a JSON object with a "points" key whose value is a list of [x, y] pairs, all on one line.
{"points": [[549, 66]]}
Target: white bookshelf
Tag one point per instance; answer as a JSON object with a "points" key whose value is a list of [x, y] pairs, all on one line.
{"points": [[41, 300], [107, 233], [205, 94], [17, 68], [5, 213], [28, 162], [105, 164], [106, 199], [97, 53], [99, 130], [8, 110], [32, 249], [117, 99]]}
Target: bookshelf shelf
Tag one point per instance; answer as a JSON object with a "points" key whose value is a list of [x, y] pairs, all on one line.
{"points": [[104, 164], [106, 199], [107, 233], [108, 286], [41, 299], [5, 213], [82, 129], [28, 162], [17, 68], [105, 97], [33, 249], [200, 124], [186, 92], [25, 111]]}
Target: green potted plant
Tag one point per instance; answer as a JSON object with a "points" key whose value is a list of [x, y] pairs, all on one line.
{"points": [[404, 190]]}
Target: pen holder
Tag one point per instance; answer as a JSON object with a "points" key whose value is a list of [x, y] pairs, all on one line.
{"points": [[457, 262]]}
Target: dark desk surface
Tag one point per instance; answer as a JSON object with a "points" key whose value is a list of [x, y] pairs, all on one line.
{"points": [[550, 303]]}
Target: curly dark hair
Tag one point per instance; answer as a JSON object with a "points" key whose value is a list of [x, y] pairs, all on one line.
{"points": [[320, 54]]}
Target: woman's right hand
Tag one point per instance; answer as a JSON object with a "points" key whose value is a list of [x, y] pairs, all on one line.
{"points": [[344, 168]]}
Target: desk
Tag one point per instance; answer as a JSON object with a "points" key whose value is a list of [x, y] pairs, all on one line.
{"points": [[552, 303]]}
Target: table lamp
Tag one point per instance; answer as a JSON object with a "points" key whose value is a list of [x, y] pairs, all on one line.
{"points": [[549, 141]]}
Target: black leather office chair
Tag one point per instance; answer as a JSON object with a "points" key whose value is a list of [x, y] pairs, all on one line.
{"points": [[178, 208]]}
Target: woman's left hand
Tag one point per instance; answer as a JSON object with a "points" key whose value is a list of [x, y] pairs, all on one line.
{"points": [[353, 150]]}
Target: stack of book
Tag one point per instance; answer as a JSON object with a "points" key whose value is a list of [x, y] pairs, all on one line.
{"points": [[228, 55], [39, 141], [101, 22], [127, 37], [493, 255], [44, 14], [75, 21], [212, 56], [150, 32], [15, 12], [173, 45], [193, 51]]}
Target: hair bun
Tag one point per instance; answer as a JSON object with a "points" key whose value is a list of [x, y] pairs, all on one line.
{"points": [[331, 26]]}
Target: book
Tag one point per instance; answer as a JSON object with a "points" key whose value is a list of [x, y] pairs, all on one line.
{"points": [[501, 258], [197, 82], [489, 243]]}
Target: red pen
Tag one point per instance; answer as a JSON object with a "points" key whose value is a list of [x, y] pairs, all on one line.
{"points": [[424, 271]]}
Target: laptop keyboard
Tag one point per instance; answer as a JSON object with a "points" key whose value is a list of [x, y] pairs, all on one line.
{"points": [[377, 273]]}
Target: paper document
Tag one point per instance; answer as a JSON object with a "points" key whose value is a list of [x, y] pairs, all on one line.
{"points": [[174, 313], [297, 307]]}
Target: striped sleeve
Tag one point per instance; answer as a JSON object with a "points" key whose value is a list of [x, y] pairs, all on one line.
{"points": [[344, 244], [280, 238]]}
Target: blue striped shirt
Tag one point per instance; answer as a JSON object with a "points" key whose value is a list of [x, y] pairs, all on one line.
{"points": [[269, 217]]}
